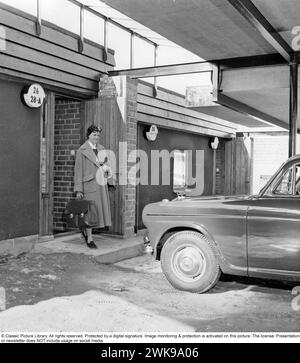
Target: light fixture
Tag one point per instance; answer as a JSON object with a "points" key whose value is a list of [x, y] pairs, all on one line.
{"points": [[214, 143]]}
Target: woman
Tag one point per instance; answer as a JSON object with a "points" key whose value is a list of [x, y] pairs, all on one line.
{"points": [[90, 179]]}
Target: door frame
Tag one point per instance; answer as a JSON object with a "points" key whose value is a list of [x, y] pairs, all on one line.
{"points": [[46, 186]]}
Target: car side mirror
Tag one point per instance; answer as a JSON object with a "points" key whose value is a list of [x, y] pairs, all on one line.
{"points": [[180, 190]]}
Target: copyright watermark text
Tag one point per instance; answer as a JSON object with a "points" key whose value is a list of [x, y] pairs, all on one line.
{"points": [[2, 299], [296, 299]]}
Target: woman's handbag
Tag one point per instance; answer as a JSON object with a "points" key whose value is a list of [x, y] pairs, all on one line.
{"points": [[81, 214]]}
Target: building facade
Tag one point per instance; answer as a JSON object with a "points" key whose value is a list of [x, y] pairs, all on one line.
{"points": [[38, 145]]}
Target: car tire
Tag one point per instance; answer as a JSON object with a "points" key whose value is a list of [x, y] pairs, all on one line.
{"points": [[189, 262]]}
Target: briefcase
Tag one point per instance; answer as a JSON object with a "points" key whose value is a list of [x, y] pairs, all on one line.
{"points": [[81, 214]]}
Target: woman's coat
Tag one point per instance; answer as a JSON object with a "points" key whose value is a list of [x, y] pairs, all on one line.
{"points": [[88, 179]]}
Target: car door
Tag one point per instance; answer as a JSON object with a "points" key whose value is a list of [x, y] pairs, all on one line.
{"points": [[273, 222]]}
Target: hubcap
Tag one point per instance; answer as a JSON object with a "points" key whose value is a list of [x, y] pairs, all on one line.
{"points": [[189, 263]]}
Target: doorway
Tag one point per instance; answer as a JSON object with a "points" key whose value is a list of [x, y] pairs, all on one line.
{"points": [[61, 136]]}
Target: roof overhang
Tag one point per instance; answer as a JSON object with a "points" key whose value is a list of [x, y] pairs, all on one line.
{"points": [[233, 34]]}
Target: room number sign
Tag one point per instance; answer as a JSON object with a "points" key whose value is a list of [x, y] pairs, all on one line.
{"points": [[33, 96]]}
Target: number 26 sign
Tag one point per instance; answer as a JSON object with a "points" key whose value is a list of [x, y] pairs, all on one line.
{"points": [[33, 96]]}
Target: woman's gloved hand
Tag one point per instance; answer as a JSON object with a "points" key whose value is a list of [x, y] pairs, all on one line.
{"points": [[111, 187], [107, 171], [79, 195]]}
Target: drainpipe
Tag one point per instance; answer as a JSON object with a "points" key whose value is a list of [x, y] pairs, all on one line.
{"points": [[293, 108], [214, 145]]}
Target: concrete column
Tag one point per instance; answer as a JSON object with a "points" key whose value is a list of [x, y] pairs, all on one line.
{"points": [[293, 108]]}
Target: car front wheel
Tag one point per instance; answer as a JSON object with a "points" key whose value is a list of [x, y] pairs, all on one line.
{"points": [[189, 262]]}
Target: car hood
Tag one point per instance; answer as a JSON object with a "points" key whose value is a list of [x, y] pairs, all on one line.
{"points": [[187, 205]]}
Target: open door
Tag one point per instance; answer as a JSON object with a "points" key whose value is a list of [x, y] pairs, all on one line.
{"points": [[106, 114]]}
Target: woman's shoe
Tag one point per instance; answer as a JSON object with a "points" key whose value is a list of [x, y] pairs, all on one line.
{"points": [[91, 244]]}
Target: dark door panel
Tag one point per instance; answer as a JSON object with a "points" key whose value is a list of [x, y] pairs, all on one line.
{"points": [[274, 234], [170, 140]]}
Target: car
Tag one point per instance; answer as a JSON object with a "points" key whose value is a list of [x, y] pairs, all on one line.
{"points": [[198, 238]]}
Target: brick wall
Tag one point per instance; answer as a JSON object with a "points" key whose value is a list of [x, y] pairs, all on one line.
{"points": [[67, 138], [131, 137]]}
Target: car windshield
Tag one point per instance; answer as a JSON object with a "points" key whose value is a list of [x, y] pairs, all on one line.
{"points": [[286, 183]]}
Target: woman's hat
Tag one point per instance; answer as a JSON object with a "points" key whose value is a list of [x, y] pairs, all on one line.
{"points": [[91, 129]]}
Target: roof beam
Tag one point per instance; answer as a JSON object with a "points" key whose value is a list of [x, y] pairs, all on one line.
{"points": [[249, 11], [251, 61], [160, 71], [248, 110], [198, 67]]}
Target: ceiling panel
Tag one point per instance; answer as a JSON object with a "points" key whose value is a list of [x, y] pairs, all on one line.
{"points": [[212, 29]]}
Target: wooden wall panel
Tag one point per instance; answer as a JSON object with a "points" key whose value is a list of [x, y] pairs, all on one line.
{"points": [[167, 112], [238, 166], [50, 61], [181, 110], [46, 47], [168, 109], [50, 73]]}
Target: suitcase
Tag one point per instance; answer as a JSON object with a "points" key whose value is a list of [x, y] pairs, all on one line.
{"points": [[81, 214]]}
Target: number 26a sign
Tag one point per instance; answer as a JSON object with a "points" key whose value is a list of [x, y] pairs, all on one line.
{"points": [[33, 96]]}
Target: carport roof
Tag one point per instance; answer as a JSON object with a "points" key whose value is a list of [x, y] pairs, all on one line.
{"points": [[212, 29], [216, 30]]}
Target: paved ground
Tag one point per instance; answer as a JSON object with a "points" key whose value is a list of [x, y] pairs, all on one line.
{"points": [[71, 292]]}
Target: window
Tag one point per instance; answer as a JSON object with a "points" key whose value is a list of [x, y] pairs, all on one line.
{"points": [[28, 6], [297, 186], [119, 40], [180, 171], [93, 27], [62, 13], [289, 182]]}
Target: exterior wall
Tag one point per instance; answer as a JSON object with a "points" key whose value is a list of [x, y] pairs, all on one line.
{"points": [[67, 137], [171, 140], [19, 165]]}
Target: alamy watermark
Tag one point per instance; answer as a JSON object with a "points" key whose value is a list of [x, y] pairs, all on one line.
{"points": [[157, 167], [296, 38], [296, 299]]}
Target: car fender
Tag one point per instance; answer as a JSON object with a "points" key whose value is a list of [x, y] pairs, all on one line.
{"points": [[170, 229]]}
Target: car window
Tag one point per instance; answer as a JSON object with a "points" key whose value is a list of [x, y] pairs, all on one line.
{"points": [[285, 185], [297, 187]]}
